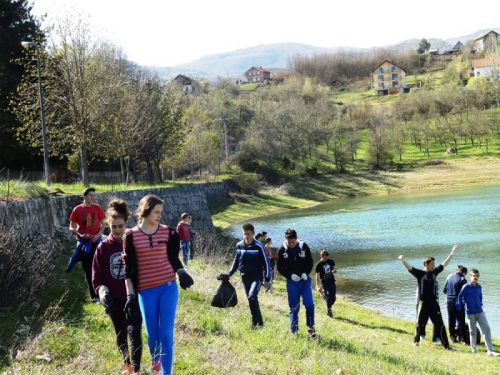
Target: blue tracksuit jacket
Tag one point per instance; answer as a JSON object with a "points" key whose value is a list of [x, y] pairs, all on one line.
{"points": [[472, 298], [251, 260]]}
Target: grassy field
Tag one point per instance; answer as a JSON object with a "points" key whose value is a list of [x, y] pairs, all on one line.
{"points": [[19, 189], [75, 336]]}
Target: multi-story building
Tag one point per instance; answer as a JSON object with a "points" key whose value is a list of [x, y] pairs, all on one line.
{"points": [[486, 40], [388, 78], [257, 74]]}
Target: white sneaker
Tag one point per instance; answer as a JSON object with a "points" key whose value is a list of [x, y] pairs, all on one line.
{"points": [[493, 353], [474, 350]]}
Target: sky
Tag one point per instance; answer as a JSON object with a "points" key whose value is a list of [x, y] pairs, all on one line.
{"points": [[171, 32]]}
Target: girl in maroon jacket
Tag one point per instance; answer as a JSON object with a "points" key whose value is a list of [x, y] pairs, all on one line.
{"points": [[108, 280]]}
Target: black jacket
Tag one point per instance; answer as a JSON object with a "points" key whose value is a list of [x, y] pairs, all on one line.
{"points": [[129, 254], [294, 261]]}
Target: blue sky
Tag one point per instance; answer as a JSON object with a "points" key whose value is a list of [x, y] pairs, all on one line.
{"points": [[170, 32]]}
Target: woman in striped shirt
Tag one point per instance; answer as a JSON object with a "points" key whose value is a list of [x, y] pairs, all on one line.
{"points": [[151, 256]]}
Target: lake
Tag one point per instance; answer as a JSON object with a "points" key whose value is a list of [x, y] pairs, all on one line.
{"points": [[365, 236]]}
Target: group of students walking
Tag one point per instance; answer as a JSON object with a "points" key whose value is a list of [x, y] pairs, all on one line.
{"points": [[133, 272], [295, 263]]}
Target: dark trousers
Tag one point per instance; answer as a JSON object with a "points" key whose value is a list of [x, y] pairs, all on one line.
{"points": [[329, 294], [430, 309], [252, 286], [87, 269], [457, 331], [124, 328]]}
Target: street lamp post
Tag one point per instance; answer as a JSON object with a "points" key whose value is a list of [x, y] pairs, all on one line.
{"points": [[42, 113]]}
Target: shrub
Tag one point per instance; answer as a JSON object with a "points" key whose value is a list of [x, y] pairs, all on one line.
{"points": [[24, 266], [270, 175], [247, 184], [435, 162]]}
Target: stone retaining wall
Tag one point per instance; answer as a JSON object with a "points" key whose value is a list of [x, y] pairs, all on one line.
{"points": [[48, 213]]}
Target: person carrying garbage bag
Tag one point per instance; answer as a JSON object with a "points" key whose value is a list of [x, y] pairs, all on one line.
{"points": [[252, 262]]}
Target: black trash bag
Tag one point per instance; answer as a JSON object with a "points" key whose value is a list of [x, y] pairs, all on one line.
{"points": [[225, 295]]}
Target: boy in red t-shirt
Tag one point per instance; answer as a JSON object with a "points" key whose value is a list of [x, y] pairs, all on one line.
{"points": [[185, 236], [87, 222]]}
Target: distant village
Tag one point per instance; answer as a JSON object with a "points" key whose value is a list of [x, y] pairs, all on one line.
{"points": [[387, 78]]}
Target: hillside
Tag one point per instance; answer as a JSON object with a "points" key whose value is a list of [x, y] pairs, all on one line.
{"points": [[276, 56]]}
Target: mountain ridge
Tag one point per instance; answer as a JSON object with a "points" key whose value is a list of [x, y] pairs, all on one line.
{"points": [[275, 56]]}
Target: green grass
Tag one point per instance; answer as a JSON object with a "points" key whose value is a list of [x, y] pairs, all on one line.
{"points": [[18, 189], [250, 86], [357, 91], [220, 341]]}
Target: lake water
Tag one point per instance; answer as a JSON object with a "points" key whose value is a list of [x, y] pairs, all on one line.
{"points": [[365, 236]]}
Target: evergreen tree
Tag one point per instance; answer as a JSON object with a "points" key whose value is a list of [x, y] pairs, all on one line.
{"points": [[423, 46], [16, 24]]}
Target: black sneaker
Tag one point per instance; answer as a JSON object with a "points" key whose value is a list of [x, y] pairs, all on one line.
{"points": [[329, 313], [311, 332]]}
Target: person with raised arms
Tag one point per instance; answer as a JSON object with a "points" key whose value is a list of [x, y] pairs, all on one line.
{"points": [[428, 297]]}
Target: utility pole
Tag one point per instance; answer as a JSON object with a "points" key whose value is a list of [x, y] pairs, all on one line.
{"points": [[42, 112]]}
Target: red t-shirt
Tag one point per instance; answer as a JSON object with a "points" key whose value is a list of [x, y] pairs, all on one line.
{"points": [[183, 231], [88, 218]]}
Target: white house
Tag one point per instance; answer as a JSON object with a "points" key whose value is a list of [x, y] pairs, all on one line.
{"points": [[485, 68]]}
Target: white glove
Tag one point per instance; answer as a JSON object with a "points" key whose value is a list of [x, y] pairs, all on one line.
{"points": [[304, 277], [294, 277]]}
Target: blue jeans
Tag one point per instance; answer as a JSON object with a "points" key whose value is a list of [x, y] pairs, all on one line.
{"points": [[185, 252], [295, 291], [252, 286], [158, 305]]}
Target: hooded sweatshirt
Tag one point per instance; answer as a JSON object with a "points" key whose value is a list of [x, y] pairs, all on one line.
{"points": [[296, 260]]}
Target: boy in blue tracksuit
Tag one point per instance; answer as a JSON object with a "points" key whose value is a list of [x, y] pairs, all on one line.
{"points": [[471, 298], [452, 287], [252, 262], [295, 263]]}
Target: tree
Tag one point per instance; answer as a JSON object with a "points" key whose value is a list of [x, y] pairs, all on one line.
{"points": [[423, 46], [17, 24], [379, 143], [82, 86]]}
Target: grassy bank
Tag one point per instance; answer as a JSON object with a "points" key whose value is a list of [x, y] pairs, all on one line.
{"points": [[20, 189], [77, 337], [304, 192]]}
